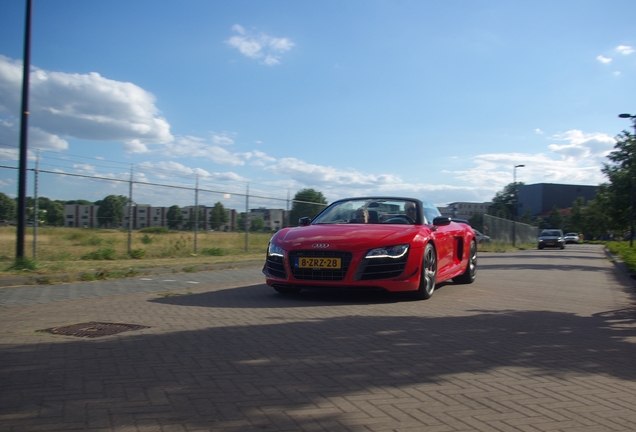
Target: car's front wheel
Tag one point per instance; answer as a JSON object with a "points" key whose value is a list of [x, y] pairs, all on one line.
{"points": [[428, 274]]}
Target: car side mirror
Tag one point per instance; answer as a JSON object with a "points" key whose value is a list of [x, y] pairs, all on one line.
{"points": [[441, 220], [304, 221]]}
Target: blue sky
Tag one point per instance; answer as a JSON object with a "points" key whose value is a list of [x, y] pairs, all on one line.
{"points": [[431, 99]]}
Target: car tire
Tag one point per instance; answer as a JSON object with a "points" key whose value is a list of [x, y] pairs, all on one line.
{"points": [[471, 267], [287, 290], [540, 247], [428, 275]]}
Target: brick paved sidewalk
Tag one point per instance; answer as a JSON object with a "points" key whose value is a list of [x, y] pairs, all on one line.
{"points": [[543, 341]]}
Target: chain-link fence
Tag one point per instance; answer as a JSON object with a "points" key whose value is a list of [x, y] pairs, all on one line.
{"points": [[147, 203], [503, 231]]}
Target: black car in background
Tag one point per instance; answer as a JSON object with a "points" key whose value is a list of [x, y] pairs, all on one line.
{"points": [[551, 238]]}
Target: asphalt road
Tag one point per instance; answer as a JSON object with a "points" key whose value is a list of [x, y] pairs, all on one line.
{"points": [[542, 341]]}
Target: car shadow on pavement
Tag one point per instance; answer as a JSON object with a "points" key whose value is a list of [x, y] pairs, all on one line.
{"points": [[303, 372], [265, 297]]}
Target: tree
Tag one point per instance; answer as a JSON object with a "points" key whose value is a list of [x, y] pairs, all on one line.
{"points": [[595, 221], [55, 214], [303, 205], [120, 198], [620, 189], [111, 210], [80, 202], [504, 204], [526, 218], [7, 208], [189, 225], [575, 220], [240, 221], [175, 217], [218, 216], [555, 220], [256, 224], [477, 221]]}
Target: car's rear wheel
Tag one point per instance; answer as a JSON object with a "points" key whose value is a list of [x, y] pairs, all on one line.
{"points": [[428, 274], [471, 267], [287, 290]]}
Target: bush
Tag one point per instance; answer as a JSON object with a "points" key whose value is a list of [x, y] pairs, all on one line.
{"points": [[155, 230], [146, 239], [137, 254], [212, 251], [24, 263], [100, 254], [92, 241]]}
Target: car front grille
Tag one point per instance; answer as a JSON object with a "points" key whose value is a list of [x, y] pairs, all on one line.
{"points": [[320, 274], [381, 268], [276, 267]]}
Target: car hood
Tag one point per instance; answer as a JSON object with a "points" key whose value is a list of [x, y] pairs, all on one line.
{"points": [[345, 236], [549, 237]]}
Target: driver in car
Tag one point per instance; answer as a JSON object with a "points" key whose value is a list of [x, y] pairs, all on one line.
{"points": [[410, 210], [362, 216]]}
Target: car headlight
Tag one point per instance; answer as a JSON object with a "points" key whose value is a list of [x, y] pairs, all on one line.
{"points": [[274, 250], [388, 252]]}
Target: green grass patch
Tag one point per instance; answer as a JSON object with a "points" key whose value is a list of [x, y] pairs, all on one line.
{"points": [[137, 254], [100, 254], [155, 230], [212, 252], [624, 252]]}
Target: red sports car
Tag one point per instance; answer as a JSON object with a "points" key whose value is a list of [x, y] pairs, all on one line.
{"points": [[372, 243]]}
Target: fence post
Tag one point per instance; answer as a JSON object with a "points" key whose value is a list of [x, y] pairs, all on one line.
{"points": [[196, 211], [130, 210], [247, 216], [35, 205], [287, 214]]}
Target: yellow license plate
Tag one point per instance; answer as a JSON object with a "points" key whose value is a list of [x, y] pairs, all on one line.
{"points": [[319, 263]]}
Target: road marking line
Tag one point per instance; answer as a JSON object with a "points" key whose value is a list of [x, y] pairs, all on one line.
{"points": [[192, 282]]}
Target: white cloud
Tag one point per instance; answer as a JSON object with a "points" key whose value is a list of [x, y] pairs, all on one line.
{"points": [[603, 59], [36, 137], [262, 47], [325, 176], [624, 49], [195, 147], [538, 131], [576, 159], [87, 168], [84, 106], [259, 158], [222, 139]]}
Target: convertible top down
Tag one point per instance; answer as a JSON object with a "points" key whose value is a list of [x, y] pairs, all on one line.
{"points": [[372, 243]]}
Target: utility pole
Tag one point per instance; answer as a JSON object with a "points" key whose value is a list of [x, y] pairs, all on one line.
{"points": [[24, 126]]}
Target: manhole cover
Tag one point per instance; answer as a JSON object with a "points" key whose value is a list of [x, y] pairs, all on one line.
{"points": [[93, 329]]}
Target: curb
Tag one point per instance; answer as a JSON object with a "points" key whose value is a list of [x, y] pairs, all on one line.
{"points": [[57, 279], [621, 266]]}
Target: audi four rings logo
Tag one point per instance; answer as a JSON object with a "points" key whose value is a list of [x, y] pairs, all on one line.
{"points": [[320, 245]]}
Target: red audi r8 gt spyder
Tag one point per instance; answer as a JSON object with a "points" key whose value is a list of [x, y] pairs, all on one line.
{"points": [[372, 243]]}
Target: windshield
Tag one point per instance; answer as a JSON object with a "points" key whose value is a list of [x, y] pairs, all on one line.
{"points": [[372, 211], [551, 233]]}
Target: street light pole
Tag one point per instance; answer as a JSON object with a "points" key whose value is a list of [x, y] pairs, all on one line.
{"points": [[631, 189], [514, 215]]}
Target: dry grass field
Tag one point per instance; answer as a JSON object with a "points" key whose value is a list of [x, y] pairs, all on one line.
{"points": [[76, 253]]}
